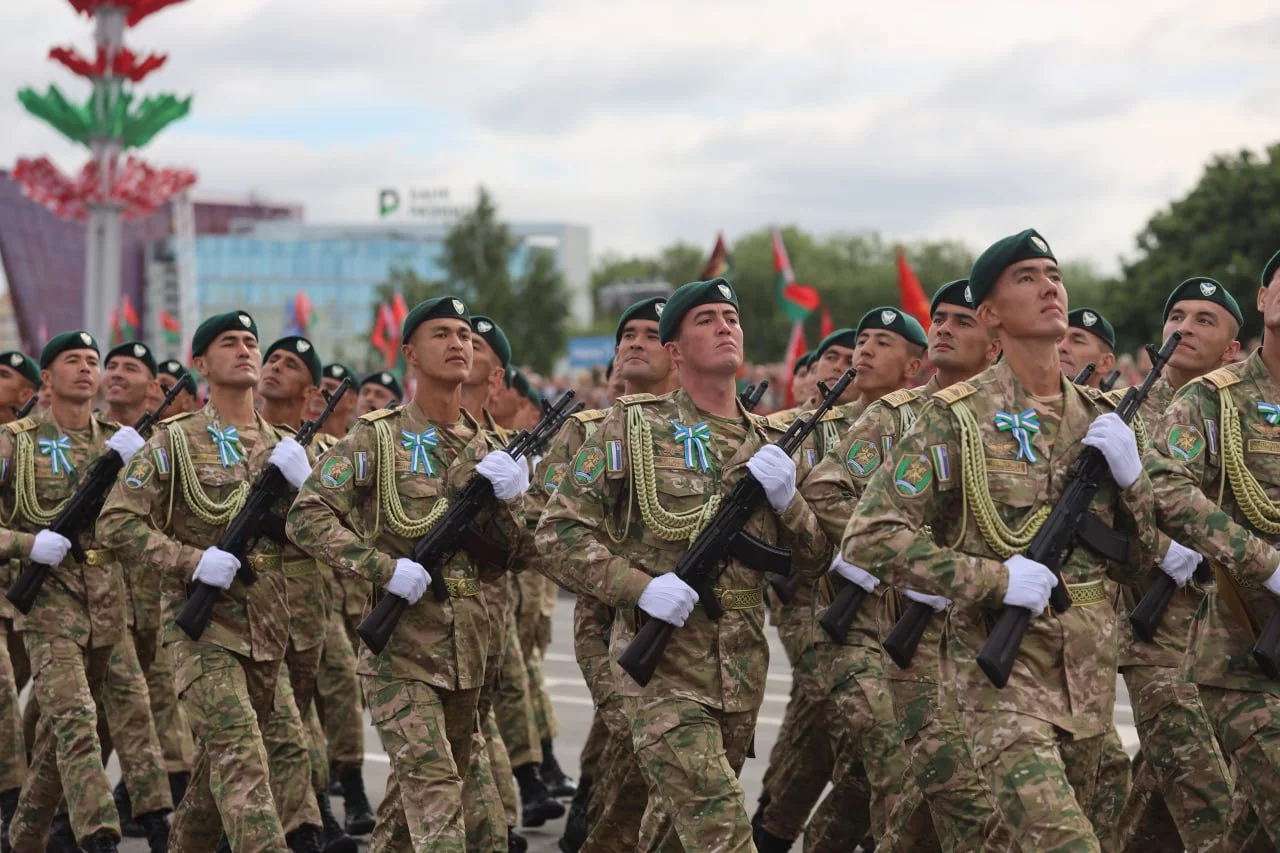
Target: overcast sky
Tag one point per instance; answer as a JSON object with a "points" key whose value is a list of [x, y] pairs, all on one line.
{"points": [[652, 120]]}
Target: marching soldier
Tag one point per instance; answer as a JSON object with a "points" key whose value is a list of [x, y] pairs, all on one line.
{"points": [[1090, 339], [1213, 465], [693, 723], [19, 380], [981, 466], [377, 491], [170, 507], [378, 390], [340, 418]]}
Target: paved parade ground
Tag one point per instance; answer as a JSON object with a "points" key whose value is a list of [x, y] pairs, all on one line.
{"points": [[573, 707]]}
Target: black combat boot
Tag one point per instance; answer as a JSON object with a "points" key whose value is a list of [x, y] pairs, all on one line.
{"points": [[575, 825], [867, 845], [304, 839], [156, 830], [61, 838], [767, 843], [8, 805], [129, 827], [335, 783], [224, 846], [358, 818], [516, 843], [332, 838], [757, 819], [557, 783], [536, 804], [102, 841], [178, 786]]}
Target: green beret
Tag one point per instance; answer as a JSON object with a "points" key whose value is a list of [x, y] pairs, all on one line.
{"points": [[843, 337], [690, 296], [509, 375], [59, 344], [179, 373], [1269, 271], [336, 371], [645, 309], [1091, 321], [23, 363], [441, 306], [893, 320], [133, 349], [303, 349], [1207, 290], [493, 336], [956, 292], [232, 321], [520, 383], [804, 360], [1003, 254], [386, 379]]}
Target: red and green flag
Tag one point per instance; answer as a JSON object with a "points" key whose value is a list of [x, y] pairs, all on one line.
{"points": [[910, 294], [129, 322], [170, 328], [798, 301]]}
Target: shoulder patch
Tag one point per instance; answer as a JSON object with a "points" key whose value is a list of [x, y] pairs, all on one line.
{"points": [[590, 415], [336, 472], [588, 465], [177, 417], [913, 475], [379, 414], [954, 393], [1185, 442], [633, 399], [140, 472], [1221, 378], [900, 398], [553, 476], [863, 458]]}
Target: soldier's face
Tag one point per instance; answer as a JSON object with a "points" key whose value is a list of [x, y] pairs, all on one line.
{"points": [[835, 360], [184, 402], [1078, 348], [1269, 304], [441, 350], [341, 412], [640, 356], [957, 341], [285, 378], [1028, 300], [483, 361], [1208, 336], [801, 387], [373, 397], [73, 376], [127, 381], [709, 341], [233, 360], [884, 360], [15, 390], [504, 405]]}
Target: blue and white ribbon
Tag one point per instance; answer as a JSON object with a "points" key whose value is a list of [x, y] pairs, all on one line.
{"points": [[228, 442], [419, 446], [1271, 411], [695, 440], [56, 450], [1023, 426]]}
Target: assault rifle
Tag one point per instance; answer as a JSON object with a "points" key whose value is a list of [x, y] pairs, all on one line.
{"points": [[1054, 540], [710, 552], [1110, 382], [752, 395], [81, 512], [252, 522], [19, 414], [904, 638], [455, 529]]}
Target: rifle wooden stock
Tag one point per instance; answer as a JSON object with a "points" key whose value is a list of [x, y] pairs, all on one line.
{"points": [[904, 638], [1148, 613], [838, 618]]}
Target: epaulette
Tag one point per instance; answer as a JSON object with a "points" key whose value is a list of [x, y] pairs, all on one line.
{"points": [[954, 393], [177, 417], [379, 414], [900, 398], [831, 415], [24, 425], [284, 429], [782, 420], [1114, 396], [590, 415], [632, 399], [1221, 378]]}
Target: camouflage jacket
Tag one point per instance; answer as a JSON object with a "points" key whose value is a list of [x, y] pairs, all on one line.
{"points": [[348, 593], [1199, 503], [597, 518], [86, 603], [498, 594], [149, 517], [343, 516], [1065, 670]]}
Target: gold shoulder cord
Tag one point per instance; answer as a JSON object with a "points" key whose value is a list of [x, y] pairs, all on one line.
{"points": [[388, 502], [1261, 512], [669, 526], [977, 495], [205, 508], [25, 502]]}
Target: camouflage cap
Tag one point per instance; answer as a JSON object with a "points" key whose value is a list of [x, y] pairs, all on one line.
{"points": [[493, 336], [386, 379], [1091, 321], [1207, 290], [690, 296], [432, 309], [23, 364], [133, 349], [893, 320], [66, 342], [1003, 254], [840, 337], [208, 331], [303, 349], [956, 292], [646, 309], [175, 369]]}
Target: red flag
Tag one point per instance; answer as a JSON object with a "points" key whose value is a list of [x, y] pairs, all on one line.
{"points": [[171, 327], [827, 326], [116, 337], [910, 294], [388, 320], [302, 312], [399, 310], [129, 322], [379, 335], [796, 347], [720, 264]]}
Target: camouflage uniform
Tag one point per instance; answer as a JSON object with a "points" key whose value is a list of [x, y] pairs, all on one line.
{"points": [[1041, 739], [535, 609], [1181, 794], [15, 670], [424, 687], [692, 724], [172, 502], [1215, 440], [76, 621]]}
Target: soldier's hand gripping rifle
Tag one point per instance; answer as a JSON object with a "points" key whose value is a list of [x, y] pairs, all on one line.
{"points": [[1056, 537], [455, 527], [904, 638], [250, 523], [710, 552], [81, 512]]}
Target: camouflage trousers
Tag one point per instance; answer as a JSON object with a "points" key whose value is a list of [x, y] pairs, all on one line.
{"points": [[338, 700], [15, 671], [1248, 728], [691, 756], [170, 720], [534, 634], [862, 730], [619, 795], [1181, 795], [590, 759], [130, 729], [427, 733], [488, 791], [513, 703], [303, 668], [66, 757]]}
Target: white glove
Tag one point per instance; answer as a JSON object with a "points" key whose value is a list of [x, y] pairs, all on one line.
{"points": [[853, 574], [49, 548], [776, 471], [216, 568], [1114, 438], [1179, 563], [291, 458], [1029, 584], [1273, 583], [409, 581], [510, 478], [668, 598], [126, 442], [937, 602]]}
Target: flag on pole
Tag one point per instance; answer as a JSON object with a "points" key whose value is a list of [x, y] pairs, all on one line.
{"points": [[720, 264], [114, 321], [827, 326], [170, 327], [399, 311], [298, 312], [129, 322], [796, 347], [378, 337], [910, 295], [798, 300]]}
